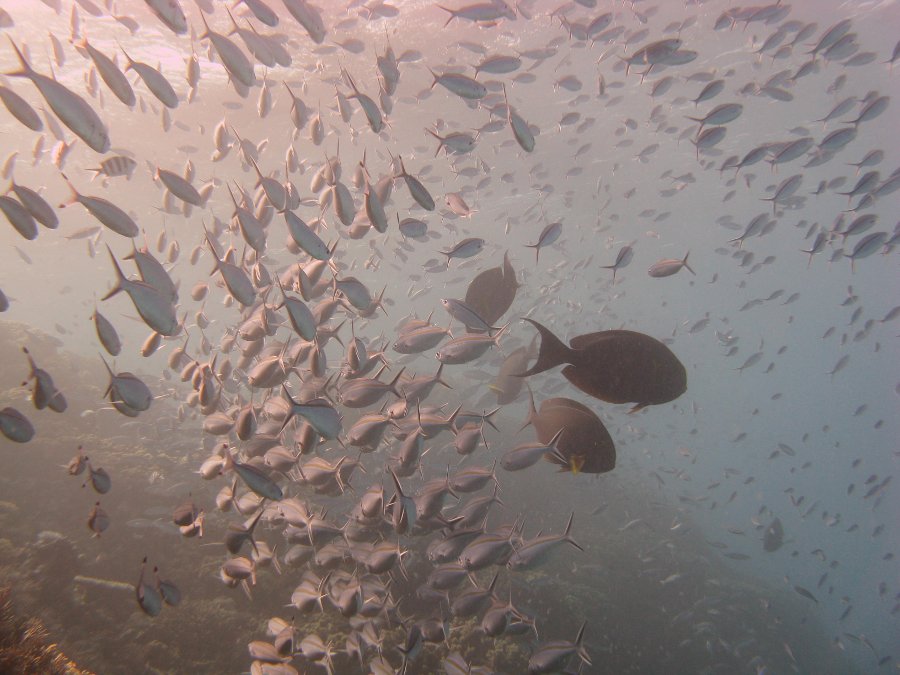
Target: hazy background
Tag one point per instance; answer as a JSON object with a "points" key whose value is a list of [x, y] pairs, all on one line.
{"points": [[615, 199]]}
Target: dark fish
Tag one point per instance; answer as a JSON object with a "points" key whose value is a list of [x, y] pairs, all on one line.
{"points": [[148, 595], [616, 366], [585, 445], [185, 513], [773, 537], [492, 292], [625, 255], [805, 593]]}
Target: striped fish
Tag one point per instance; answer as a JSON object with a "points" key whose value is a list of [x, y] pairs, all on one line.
{"points": [[119, 165]]}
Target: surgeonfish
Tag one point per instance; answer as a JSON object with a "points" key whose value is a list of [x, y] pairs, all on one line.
{"points": [[617, 366]]}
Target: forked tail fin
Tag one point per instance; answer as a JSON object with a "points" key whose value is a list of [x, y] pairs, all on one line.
{"points": [[553, 351]]}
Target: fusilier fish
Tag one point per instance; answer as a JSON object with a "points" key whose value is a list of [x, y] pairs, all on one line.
{"points": [[669, 266], [71, 109]]}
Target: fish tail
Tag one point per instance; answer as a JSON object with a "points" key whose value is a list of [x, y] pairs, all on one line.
{"points": [[452, 14], [31, 363], [579, 645], [25, 69], [121, 279], [558, 458], [437, 377], [499, 334], [112, 377], [73, 198], [452, 418], [393, 385], [378, 301], [213, 251], [567, 536], [487, 418], [685, 264], [553, 441], [206, 27], [552, 353]]}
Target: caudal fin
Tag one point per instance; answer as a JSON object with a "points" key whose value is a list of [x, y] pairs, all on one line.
{"points": [[25, 69], [453, 14], [121, 279], [567, 535], [552, 353]]}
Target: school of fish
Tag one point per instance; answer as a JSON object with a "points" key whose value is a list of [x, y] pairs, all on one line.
{"points": [[269, 169]]}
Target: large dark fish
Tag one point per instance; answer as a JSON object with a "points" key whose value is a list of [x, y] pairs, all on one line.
{"points": [[616, 366], [585, 445], [492, 292], [773, 537]]}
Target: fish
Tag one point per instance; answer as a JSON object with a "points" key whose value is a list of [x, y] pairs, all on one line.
{"points": [[461, 85], [528, 454], [480, 12], [304, 241], [773, 537], [15, 426], [235, 61], [36, 205], [20, 109], [721, 114], [155, 309], [549, 657], [464, 249], [419, 192], [170, 13], [548, 235], [469, 347], [255, 478], [148, 596], [617, 366], [72, 110], [462, 312], [154, 80], [318, 412], [805, 593], [44, 394], [623, 258], [103, 210], [113, 77], [492, 292], [583, 443], [98, 520], [99, 479], [519, 127], [19, 217], [127, 389], [118, 165], [506, 385], [669, 266], [533, 552]]}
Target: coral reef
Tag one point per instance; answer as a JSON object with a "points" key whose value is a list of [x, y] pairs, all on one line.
{"points": [[25, 646]]}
